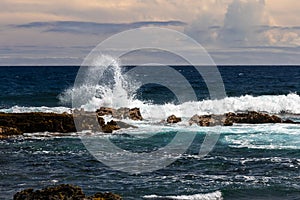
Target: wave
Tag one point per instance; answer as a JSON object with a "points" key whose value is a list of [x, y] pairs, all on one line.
{"points": [[275, 104], [271, 104], [116, 89], [24, 109], [106, 84], [209, 196]]}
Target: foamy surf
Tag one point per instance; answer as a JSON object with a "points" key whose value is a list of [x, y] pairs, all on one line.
{"points": [[274, 104], [24, 109], [209, 196], [115, 89]]}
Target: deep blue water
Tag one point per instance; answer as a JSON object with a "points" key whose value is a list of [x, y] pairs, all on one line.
{"points": [[248, 162], [40, 86]]}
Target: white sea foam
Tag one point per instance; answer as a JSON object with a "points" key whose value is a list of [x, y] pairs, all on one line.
{"points": [[209, 196], [264, 136], [272, 104], [23, 109], [117, 90]]}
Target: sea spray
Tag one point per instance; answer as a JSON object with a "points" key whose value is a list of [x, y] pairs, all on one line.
{"points": [[105, 83], [102, 84]]}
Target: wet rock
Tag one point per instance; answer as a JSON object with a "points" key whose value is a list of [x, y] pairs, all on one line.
{"points": [[62, 192], [209, 120], [173, 119], [105, 196], [135, 114], [9, 131], [229, 119], [106, 111], [121, 113], [38, 122], [110, 127], [19, 123], [253, 117]]}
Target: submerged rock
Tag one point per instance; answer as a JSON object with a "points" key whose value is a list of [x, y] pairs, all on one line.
{"points": [[62, 192], [173, 119]]}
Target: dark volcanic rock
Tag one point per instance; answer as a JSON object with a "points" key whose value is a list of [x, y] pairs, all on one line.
{"points": [[173, 119], [240, 118], [210, 120], [115, 125], [62, 192], [38, 122], [105, 196], [9, 131], [135, 114], [253, 117], [110, 127], [121, 113], [19, 123], [106, 111]]}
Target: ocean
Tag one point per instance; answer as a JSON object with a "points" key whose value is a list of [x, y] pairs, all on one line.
{"points": [[247, 162]]}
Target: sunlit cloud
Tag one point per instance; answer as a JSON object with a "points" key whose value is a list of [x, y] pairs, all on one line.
{"points": [[228, 29]]}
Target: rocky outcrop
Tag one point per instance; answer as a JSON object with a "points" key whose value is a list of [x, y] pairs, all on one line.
{"points": [[253, 117], [210, 120], [96, 123], [62, 192], [6, 132], [19, 123], [38, 122], [121, 113], [173, 119], [12, 124], [229, 119], [110, 127]]}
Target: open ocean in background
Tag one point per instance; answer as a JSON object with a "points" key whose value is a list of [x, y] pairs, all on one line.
{"points": [[248, 162]]}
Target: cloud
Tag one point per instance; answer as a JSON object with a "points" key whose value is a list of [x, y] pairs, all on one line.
{"points": [[240, 22], [236, 27], [245, 23], [78, 27], [233, 31]]}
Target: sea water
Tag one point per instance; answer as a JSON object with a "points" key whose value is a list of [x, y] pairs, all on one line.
{"points": [[248, 162]]}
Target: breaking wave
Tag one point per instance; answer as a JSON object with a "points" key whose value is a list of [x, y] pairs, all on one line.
{"points": [[209, 196], [116, 90]]}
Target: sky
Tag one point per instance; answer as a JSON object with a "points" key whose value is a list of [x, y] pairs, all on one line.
{"points": [[63, 32]]}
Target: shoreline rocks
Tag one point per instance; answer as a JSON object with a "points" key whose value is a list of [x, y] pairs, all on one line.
{"points": [[210, 120], [173, 119], [63, 192], [228, 119], [19, 123], [8, 131], [121, 113], [14, 124]]}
